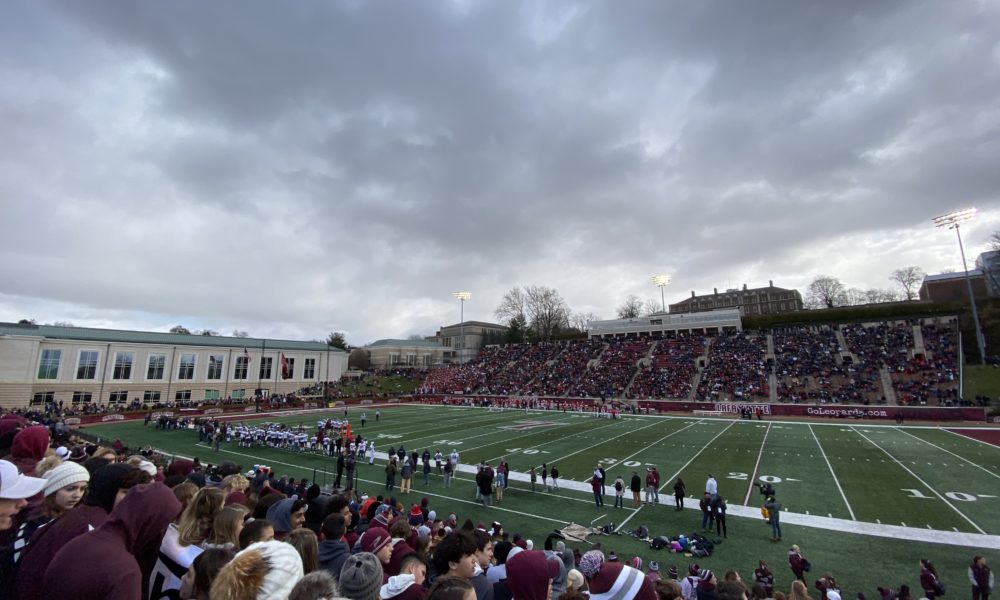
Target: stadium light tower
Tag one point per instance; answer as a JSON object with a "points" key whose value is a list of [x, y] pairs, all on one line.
{"points": [[462, 297], [952, 221], [661, 282]]}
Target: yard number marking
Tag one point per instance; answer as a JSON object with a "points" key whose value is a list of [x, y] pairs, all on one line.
{"points": [[960, 496]]}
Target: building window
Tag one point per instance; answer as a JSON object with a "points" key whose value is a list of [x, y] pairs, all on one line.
{"points": [[118, 398], [82, 397], [426, 360], [238, 394], [42, 398], [186, 369], [215, 362], [291, 368], [48, 367], [150, 396], [265, 367], [211, 394], [394, 359], [309, 371], [182, 395], [242, 366], [411, 359], [87, 367], [123, 365], [155, 366]]}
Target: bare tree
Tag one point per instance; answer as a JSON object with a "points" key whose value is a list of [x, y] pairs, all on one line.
{"points": [[180, 329], [208, 333], [512, 305], [652, 306], [582, 321], [826, 292], [995, 241], [239, 333], [415, 337], [63, 324], [546, 311], [631, 308], [909, 279], [854, 297]]}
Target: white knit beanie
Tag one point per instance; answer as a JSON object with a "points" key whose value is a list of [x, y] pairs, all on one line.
{"points": [[66, 473], [285, 569]]}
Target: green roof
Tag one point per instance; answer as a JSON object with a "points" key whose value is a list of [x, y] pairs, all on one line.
{"points": [[407, 344], [153, 337]]}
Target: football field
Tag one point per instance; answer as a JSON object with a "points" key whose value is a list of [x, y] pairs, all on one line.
{"points": [[865, 501]]}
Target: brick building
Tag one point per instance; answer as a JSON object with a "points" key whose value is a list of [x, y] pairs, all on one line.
{"points": [[768, 300]]}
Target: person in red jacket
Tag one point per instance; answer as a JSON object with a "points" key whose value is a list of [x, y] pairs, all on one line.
{"points": [[131, 534]]}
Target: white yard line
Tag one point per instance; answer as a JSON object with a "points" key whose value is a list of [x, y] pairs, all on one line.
{"points": [[679, 471], [564, 422], [587, 432], [952, 453], [633, 455], [924, 483], [835, 480], [753, 478], [568, 423], [601, 443], [965, 437]]}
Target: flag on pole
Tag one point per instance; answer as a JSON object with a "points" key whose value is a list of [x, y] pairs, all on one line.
{"points": [[284, 366], [246, 354]]}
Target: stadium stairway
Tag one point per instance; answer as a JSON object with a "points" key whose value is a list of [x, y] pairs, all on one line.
{"points": [[772, 381], [887, 390], [918, 341]]}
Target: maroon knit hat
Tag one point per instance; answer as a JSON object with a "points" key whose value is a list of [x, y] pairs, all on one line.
{"points": [[528, 574], [374, 539]]}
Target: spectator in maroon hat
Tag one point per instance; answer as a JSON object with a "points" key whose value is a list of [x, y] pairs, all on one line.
{"points": [[613, 578], [530, 575], [377, 541], [29, 448]]}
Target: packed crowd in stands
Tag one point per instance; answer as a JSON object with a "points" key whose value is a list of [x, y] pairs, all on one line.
{"points": [[609, 378], [103, 523], [808, 369], [931, 377], [809, 365], [558, 377], [736, 370], [671, 370]]}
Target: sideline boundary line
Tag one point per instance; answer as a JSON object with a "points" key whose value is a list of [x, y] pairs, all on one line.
{"points": [[924, 483], [933, 536], [835, 480], [753, 478], [974, 464], [675, 475]]}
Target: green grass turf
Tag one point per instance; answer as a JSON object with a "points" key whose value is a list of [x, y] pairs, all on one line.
{"points": [[982, 380], [862, 459]]}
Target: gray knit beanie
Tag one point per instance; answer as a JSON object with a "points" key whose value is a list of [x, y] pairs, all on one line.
{"points": [[361, 577]]}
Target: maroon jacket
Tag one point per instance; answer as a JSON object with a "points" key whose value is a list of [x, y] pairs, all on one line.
{"points": [[414, 592], [797, 563], [47, 541], [132, 532]]}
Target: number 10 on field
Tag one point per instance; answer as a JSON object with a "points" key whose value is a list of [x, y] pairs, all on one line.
{"points": [[959, 496]]}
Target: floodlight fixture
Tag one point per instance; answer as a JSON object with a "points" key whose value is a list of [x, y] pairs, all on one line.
{"points": [[952, 220], [661, 282], [462, 297]]}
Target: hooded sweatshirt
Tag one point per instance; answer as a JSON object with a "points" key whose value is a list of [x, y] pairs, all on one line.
{"points": [[123, 543], [29, 447], [48, 540], [332, 554], [402, 587], [280, 516]]}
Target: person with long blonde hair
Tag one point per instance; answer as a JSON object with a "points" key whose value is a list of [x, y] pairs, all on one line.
{"points": [[799, 591], [184, 541], [307, 544], [227, 527]]}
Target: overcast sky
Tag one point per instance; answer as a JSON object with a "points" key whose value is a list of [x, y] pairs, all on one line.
{"points": [[296, 168]]}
